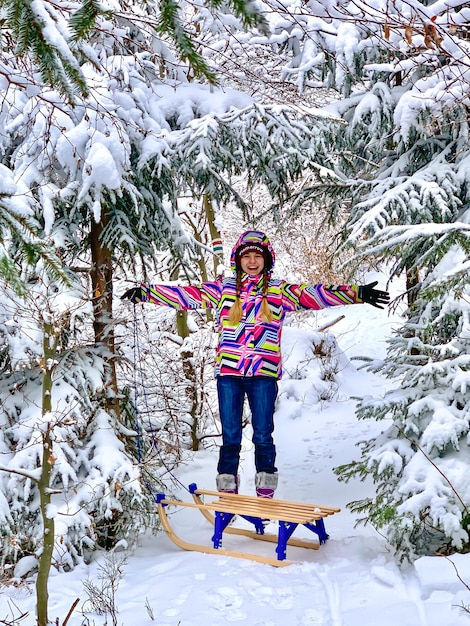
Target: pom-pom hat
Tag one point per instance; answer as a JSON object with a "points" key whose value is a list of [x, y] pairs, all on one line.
{"points": [[253, 240]]}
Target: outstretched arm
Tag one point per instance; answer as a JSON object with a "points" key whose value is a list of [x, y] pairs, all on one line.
{"points": [[316, 297], [201, 296]]}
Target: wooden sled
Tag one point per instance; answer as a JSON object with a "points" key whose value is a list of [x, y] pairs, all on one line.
{"points": [[223, 507]]}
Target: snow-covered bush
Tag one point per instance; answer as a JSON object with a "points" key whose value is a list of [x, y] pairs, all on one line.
{"points": [[95, 494]]}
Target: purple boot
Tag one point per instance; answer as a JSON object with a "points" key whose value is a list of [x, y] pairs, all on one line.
{"points": [[265, 484]]}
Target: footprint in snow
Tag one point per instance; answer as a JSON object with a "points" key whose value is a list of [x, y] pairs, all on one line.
{"points": [[387, 576], [227, 600], [283, 599], [312, 618], [260, 594]]}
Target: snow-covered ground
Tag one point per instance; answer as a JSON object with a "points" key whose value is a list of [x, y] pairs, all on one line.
{"points": [[352, 580]]}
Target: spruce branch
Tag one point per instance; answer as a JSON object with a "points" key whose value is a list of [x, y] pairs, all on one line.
{"points": [[82, 21], [170, 24], [25, 230]]}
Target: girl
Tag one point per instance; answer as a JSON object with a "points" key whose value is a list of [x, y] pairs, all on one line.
{"points": [[250, 309]]}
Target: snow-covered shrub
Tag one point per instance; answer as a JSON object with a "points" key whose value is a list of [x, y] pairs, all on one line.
{"points": [[97, 495], [420, 463], [172, 381], [313, 360]]}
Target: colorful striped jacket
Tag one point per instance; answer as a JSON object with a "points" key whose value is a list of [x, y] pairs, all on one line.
{"points": [[252, 347]]}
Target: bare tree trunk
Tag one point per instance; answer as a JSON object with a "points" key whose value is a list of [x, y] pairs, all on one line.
{"points": [[44, 483], [102, 299], [103, 325], [214, 231], [412, 281], [187, 361], [187, 357]]}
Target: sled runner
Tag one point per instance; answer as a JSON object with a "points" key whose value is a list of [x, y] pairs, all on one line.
{"points": [[222, 508]]}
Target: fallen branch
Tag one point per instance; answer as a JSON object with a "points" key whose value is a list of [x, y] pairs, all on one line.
{"points": [[330, 324], [72, 608]]}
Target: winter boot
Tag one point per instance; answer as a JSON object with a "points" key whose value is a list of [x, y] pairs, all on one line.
{"points": [[228, 483], [265, 484]]}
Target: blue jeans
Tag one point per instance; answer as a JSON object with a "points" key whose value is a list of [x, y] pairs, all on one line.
{"points": [[261, 392]]}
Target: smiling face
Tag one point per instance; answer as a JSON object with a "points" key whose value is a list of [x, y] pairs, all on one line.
{"points": [[252, 262]]}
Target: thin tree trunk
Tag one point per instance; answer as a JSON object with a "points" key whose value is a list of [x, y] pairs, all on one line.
{"points": [[187, 357], [44, 483], [412, 281], [214, 231], [102, 299], [103, 325]]}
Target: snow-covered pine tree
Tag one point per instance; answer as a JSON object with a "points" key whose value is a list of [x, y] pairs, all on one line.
{"points": [[420, 462], [413, 209]]}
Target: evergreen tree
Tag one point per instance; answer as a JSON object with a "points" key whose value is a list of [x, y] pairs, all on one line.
{"points": [[413, 210], [400, 164]]}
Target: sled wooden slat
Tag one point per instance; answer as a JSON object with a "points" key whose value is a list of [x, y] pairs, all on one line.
{"points": [[271, 508], [221, 510], [238, 497], [263, 512]]}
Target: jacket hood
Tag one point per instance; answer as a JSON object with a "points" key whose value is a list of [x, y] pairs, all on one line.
{"points": [[253, 237]]}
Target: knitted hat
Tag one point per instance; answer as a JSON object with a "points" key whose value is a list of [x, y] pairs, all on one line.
{"points": [[251, 247], [256, 241]]}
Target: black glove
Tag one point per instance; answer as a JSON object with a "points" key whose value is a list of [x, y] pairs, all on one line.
{"points": [[134, 295], [368, 294]]}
